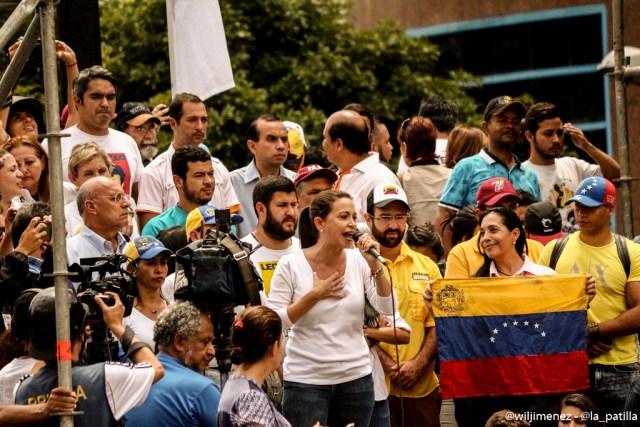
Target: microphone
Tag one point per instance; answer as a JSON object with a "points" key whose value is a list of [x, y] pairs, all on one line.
{"points": [[372, 251]]}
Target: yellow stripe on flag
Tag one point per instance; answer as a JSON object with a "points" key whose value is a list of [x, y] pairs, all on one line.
{"points": [[494, 296]]}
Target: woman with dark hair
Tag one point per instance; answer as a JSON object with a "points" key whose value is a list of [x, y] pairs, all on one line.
{"points": [[578, 410], [257, 351], [425, 240], [464, 225], [425, 179], [320, 294], [33, 163]]}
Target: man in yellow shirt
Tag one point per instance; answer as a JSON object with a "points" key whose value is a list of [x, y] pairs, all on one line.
{"points": [[413, 377], [614, 314], [465, 258]]}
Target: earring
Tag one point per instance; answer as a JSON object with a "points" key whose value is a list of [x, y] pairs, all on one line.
{"points": [[514, 242]]}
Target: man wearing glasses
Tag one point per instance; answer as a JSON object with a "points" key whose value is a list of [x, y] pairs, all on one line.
{"points": [[135, 119], [104, 208], [413, 377]]}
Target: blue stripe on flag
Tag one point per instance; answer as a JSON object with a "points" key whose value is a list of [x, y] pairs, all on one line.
{"points": [[474, 337]]}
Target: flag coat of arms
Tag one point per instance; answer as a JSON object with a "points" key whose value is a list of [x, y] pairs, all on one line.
{"points": [[511, 335]]}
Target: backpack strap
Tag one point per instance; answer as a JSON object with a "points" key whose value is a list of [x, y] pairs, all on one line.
{"points": [[246, 269], [623, 253], [557, 250]]}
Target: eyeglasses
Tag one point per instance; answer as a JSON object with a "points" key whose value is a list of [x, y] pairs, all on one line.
{"points": [[386, 219], [141, 130], [117, 198]]}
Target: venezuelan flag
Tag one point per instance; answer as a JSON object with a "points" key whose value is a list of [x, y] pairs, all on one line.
{"points": [[511, 335]]}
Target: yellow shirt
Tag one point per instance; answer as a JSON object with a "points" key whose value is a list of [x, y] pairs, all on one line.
{"points": [[410, 273], [465, 258], [611, 285]]}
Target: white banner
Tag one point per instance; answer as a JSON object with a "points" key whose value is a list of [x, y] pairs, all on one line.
{"points": [[198, 48]]}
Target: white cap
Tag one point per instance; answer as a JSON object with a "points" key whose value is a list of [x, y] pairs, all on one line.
{"points": [[383, 194]]}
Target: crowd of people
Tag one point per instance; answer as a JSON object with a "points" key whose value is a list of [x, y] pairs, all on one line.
{"points": [[346, 248]]}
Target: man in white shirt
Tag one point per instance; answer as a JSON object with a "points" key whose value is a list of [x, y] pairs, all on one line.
{"points": [[94, 92], [268, 141], [189, 121], [276, 204], [559, 177], [346, 142]]}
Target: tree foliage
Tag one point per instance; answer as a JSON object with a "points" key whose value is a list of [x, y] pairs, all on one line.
{"points": [[298, 59]]}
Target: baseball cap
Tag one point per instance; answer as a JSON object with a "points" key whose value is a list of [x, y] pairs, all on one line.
{"points": [[383, 194], [144, 247], [135, 114], [493, 190], [595, 191], [206, 215], [501, 103], [309, 171], [296, 141], [543, 222], [42, 322]]}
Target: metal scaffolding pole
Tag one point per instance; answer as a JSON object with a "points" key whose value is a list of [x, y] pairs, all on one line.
{"points": [[46, 12], [621, 117], [12, 73], [18, 16]]}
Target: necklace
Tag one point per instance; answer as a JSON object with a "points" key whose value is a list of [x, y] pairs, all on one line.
{"points": [[141, 304], [503, 273]]}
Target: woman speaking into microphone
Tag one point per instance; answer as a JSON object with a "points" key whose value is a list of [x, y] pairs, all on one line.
{"points": [[319, 293]]}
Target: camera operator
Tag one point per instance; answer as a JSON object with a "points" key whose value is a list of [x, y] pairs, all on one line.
{"points": [[105, 391], [23, 218]]}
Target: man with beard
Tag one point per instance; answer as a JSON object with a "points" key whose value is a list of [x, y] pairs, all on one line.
{"points": [[184, 336], [189, 121], [194, 180], [135, 119], [412, 376], [502, 119], [275, 203], [560, 176]]}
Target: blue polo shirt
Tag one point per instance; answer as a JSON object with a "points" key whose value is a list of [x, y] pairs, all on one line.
{"points": [[167, 219], [470, 173], [182, 397]]}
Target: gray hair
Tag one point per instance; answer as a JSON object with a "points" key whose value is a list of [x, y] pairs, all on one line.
{"points": [[182, 318]]}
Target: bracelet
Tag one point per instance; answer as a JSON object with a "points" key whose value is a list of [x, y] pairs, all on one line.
{"points": [[126, 339], [71, 65], [137, 346], [377, 273]]}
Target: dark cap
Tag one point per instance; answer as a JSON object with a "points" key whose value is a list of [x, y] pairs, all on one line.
{"points": [[134, 114], [493, 190], [543, 222], [501, 103], [309, 171], [42, 323], [31, 106]]}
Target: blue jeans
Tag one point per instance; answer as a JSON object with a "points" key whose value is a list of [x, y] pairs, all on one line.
{"points": [[610, 387], [381, 416], [334, 405]]}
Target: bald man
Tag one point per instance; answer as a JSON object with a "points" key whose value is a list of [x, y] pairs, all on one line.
{"points": [[346, 142], [105, 210]]}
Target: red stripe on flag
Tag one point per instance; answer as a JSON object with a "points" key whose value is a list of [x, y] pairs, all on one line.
{"points": [[515, 375]]}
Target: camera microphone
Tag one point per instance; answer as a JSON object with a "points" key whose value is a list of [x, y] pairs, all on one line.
{"points": [[372, 251]]}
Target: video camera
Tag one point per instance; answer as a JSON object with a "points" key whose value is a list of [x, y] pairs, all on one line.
{"points": [[219, 277], [102, 346]]}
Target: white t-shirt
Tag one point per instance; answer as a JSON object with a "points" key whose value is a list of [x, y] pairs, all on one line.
{"points": [[326, 345], [559, 181], [379, 383], [9, 377], [141, 325], [119, 146], [265, 260], [157, 192]]}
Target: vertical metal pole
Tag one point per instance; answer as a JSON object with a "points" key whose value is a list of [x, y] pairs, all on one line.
{"points": [[47, 20], [621, 117]]}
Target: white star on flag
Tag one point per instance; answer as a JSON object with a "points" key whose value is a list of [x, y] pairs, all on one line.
{"points": [[536, 325], [492, 339], [504, 324], [544, 334], [526, 323], [495, 331]]}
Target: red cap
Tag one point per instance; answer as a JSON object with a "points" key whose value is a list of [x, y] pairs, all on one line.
{"points": [[493, 190], [308, 171]]}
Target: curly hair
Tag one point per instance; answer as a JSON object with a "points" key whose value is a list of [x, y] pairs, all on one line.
{"points": [[182, 318]]}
